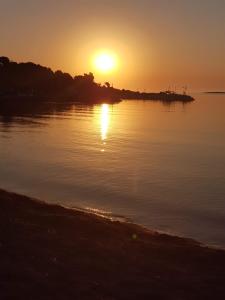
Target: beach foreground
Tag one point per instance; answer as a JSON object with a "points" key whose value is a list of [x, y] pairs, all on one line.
{"points": [[50, 252]]}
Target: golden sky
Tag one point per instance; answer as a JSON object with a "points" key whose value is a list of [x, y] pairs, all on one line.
{"points": [[158, 43]]}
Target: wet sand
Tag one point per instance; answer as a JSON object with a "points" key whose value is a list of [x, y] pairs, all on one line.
{"points": [[50, 252]]}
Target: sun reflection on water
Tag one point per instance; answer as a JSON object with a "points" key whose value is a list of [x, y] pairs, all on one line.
{"points": [[105, 118], [104, 121]]}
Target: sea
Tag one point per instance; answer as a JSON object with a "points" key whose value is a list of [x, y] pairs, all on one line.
{"points": [[161, 165]]}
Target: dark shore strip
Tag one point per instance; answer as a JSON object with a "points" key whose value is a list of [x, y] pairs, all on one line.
{"points": [[50, 252], [219, 92]]}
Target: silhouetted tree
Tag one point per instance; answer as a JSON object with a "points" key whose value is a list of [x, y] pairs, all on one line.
{"points": [[29, 79], [4, 60], [107, 84]]}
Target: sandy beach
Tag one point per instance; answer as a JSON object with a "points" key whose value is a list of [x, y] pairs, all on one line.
{"points": [[50, 252]]}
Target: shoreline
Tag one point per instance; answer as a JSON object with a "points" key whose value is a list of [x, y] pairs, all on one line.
{"points": [[116, 97], [126, 220], [46, 247]]}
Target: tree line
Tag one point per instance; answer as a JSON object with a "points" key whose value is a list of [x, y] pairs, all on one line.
{"points": [[32, 80]]}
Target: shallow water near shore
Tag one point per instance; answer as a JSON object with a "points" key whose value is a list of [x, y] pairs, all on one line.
{"points": [[160, 165]]}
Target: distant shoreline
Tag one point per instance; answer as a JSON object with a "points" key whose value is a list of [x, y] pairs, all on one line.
{"points": [[34, 82], [161, 96], [49, 250], [219, 92]]}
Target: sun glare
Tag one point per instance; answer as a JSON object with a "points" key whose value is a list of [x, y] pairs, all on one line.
{"points": [[105, 62]]}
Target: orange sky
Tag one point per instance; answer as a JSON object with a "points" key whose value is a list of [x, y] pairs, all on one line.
{"points": [[158, 43]]}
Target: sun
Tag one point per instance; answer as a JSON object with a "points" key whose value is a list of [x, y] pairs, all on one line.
{"points": [[105, 62]]}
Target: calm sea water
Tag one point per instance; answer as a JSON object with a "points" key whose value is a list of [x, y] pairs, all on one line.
{"points": [[162, 166]]}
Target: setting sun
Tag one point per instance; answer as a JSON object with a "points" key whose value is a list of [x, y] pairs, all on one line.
{"points": [[105, 62]]}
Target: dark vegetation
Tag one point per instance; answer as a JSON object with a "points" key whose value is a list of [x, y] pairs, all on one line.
{"points": [[49, 252], [28, 80]]}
